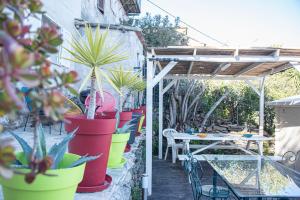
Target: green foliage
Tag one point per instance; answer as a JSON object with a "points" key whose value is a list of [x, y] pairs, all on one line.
{"points": [[123, 79], [158, 31]]}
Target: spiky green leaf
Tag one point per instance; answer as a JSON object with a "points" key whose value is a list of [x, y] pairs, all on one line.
{"points": [[24, 145], [83, 159]]}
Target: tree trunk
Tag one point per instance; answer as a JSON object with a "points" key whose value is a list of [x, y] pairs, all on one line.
{"points": [[92, 105], [211, 110]]}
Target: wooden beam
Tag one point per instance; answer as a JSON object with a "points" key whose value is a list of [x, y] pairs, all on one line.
{"points": [[207, 77], [157, 62], [278, 69], [192, 63], [248, 68], [253, 87], [163, 73], [226, 58], [218, 69], [236, 54], [169, 86]]}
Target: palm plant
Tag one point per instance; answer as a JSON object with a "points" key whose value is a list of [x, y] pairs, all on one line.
{"points": [[92, 50], [138, 87], [123, 79]]}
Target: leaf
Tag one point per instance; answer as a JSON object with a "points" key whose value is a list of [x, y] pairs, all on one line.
{"points": [[42, 142], [110, 82], [83, 159], [85, 80], [57, 151], [25, 146], [126, 127], [72, 90]]}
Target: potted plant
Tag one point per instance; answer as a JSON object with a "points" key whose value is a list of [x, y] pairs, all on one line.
{"points": [[62, 172], [94, 131], [24, 62], [125, 80], [119, 141], [136, 88]]}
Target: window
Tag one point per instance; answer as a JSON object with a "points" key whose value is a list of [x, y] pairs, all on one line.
{"points": [[100, 6]]}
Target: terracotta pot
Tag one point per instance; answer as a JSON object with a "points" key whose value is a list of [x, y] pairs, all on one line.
{"points": [[92, 138]]}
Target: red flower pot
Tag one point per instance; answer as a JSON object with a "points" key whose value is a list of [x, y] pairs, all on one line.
{"points": [[124, 116], [93, 137], [139, 111]]}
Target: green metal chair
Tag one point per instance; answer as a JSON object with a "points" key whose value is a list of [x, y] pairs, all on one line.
{"points": [[199, 190]]}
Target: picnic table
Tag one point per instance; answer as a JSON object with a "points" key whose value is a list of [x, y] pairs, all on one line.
{"points": [[219, 138]]}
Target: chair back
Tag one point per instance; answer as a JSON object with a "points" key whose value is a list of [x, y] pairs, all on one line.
{"points": [[168, 133], [289, 159], [196, 185]]}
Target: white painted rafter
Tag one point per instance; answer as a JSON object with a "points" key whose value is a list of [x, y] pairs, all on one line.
{"points": [[248, 68], [192, 63], [168, 86], [226, 58], [207, 77], [163, 72]]}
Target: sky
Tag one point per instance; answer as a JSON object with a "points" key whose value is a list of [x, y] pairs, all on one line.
{"points": [[238, 23]]}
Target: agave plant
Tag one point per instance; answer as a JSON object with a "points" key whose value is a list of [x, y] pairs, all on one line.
{"points": [[46, 159], [125, 128], [123, 79], [93, 51]]}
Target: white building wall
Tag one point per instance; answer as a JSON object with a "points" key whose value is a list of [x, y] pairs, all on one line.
{"points": [[287, 132], [64, 12]]}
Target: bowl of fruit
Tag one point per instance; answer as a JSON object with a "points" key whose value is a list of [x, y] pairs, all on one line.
{"points": [[202, 135]]}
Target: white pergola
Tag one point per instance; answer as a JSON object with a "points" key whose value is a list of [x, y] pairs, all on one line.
{"points": [[204, 63]]}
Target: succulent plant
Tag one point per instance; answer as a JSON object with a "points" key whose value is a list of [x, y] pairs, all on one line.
{"points": [[125, 128], [46, 159]]}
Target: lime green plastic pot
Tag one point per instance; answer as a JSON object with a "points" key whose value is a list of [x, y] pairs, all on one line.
{"points": [[117, 147], [62, 186]]}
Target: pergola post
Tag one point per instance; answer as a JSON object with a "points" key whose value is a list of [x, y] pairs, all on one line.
{"points": [[160, 117], [261, 109], [149, 108]]}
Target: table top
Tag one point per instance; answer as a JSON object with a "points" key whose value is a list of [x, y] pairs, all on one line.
{"points": [[220, 137], [257, 176]]}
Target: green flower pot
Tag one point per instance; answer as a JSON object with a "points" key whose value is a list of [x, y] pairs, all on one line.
{"points": [[62, 186], [117, 147]]}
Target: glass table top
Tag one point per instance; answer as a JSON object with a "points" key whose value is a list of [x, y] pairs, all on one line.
{"points": [[256, 176]]}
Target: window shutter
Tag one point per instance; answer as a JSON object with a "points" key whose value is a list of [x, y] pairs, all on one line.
{"points": [[100, 6]]}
